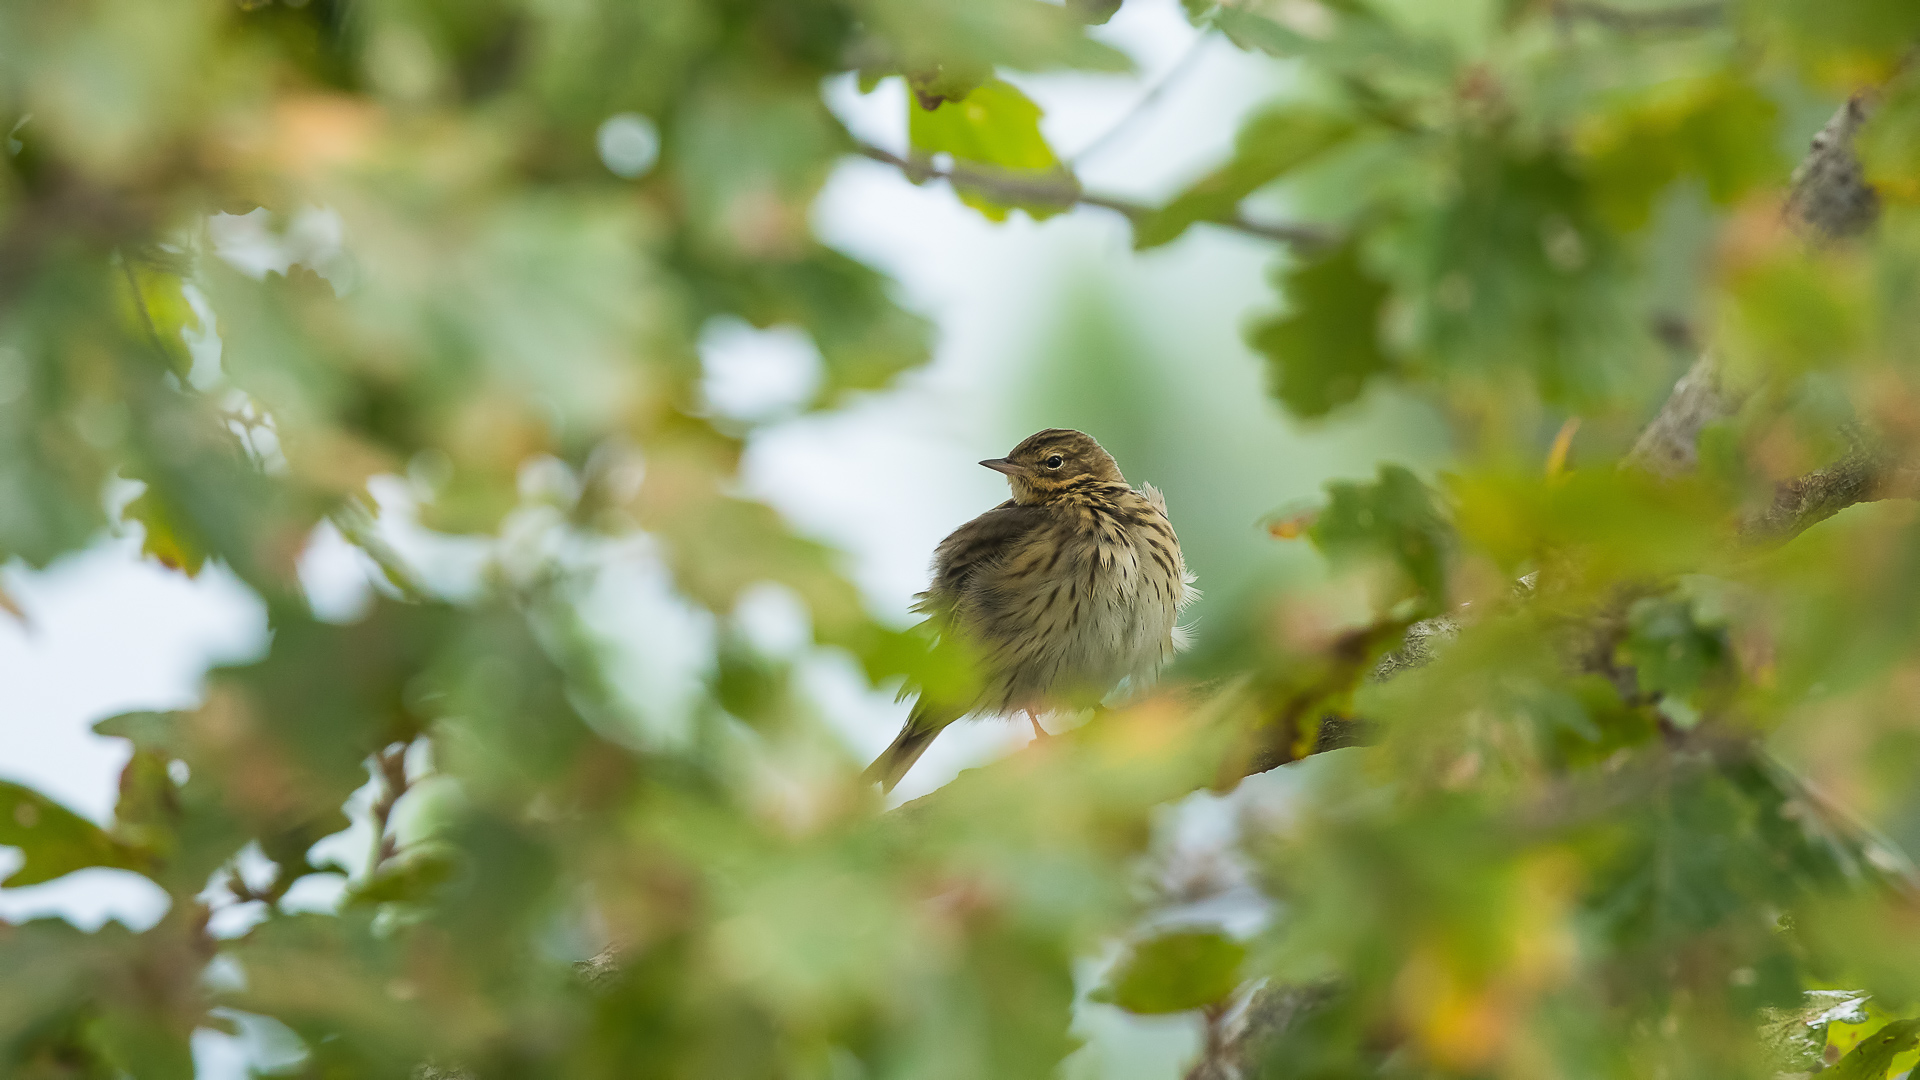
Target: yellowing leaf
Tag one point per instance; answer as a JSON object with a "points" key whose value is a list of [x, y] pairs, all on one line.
{"points": [[1562, 446], [1291, 526], [1871, 1059]]}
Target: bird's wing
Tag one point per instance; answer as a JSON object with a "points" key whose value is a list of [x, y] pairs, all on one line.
{"points": [[978, 544], [971, 548], [1182, 635]]}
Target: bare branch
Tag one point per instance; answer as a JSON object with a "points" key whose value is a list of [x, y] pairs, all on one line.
{"points": [[1830, 201], [1061, 191], [1237, 1038], [1831, 198], [1798, 504], [1670, 444]]}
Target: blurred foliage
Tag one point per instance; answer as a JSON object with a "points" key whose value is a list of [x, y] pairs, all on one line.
{"points": [[1615, 814]]}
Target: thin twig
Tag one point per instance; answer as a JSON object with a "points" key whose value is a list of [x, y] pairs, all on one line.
{"points": [[1147, 100], [1062, 191]]}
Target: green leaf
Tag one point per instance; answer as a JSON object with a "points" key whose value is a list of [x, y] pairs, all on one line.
{"points": [[753, 154], [148, 809], [864, 337], [946, 82], [1322, 352], [144, 1042], [309, 713], [410, 877], [749, 685], [161, 310], [1874, 1055], [1271, 144], [55, 840], [1394, 519], [994, 137], [1352, 41], [1519, 275], [1720, 128], [167, 542], [1174, 972], [1096, 12], [1670, 652], [1889, 146], [48, 969], [1848, 45], [158, 732]]}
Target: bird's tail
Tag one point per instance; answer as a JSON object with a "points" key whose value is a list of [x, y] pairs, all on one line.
{"points": [[928, 719], [895, 760]]}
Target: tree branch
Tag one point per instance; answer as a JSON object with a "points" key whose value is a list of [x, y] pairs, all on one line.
{"points": [[1670, 445], [1061, 191], [1830, 201], [1799, 504]]}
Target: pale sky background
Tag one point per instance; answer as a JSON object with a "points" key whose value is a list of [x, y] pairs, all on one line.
{"points": [[883, 479]]}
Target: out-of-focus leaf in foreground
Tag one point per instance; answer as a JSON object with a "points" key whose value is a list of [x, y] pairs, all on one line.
{"points": [[1174, 972], [55, 840], [1600, 777]]}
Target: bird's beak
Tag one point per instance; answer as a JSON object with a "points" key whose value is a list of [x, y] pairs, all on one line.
{"points": [[1000, 464]]}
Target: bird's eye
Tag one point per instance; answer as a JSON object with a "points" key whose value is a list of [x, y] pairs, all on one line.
{"points": [[1053, 462]]}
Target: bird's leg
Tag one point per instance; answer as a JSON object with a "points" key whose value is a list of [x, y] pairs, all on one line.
{"points": [[1038, 731]]}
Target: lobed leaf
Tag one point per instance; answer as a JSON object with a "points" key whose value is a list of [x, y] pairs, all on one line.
{"points": [[55, 840], [1397, 520], [1324, 350], [994, 134]]}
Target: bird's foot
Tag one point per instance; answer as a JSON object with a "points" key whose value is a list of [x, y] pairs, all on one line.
{"points": [[1039, 732]]}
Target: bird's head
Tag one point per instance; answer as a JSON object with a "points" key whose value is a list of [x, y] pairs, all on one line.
{"points": [[1052, 462]]}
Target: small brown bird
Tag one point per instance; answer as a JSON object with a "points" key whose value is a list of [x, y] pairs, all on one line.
{"points": [[1061, 592]]}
